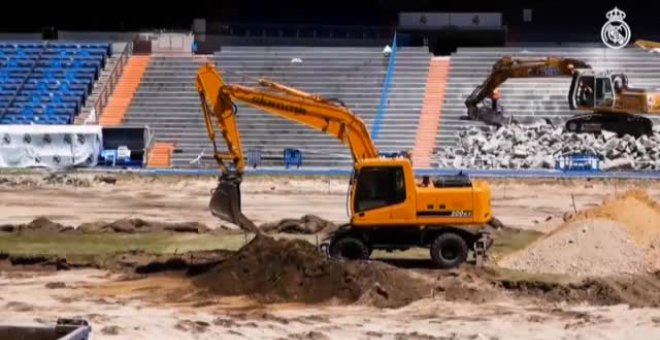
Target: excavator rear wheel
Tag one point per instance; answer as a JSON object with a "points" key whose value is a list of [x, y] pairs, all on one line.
{"points": [[449, 250], [572, 127], [349, 248]]}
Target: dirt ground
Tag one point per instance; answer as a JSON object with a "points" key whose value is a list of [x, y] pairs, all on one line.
{"points": [[519, 204], [142, 309], [458, 305]]}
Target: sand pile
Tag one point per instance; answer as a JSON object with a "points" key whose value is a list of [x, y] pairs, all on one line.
{"points": [[620, 236], [271, 271]]}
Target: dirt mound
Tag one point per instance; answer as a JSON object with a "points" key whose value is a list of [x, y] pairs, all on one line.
{"points": [[192, 262], [308, 224], [40, 224], [597, 247], [129, 226], [17, 181], [622, 235], [64, 179], [139, 262], [271, 270], [636, 209], [136, 225], [636, 291]]}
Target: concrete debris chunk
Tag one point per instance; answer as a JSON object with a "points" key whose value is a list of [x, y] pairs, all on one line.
{"points": [[608, 135], [619, 164], [538, 145]]}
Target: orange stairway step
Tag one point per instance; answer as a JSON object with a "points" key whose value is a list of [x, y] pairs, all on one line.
{"points": [[122, 96], [429, 118]]}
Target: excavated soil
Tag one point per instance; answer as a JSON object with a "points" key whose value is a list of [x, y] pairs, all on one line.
{"points": [[621, 236], [308, 224], [284, 271], [138, 262], [635, 291], [130, 226], [271, 271]]}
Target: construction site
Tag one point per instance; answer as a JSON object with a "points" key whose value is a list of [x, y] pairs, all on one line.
{"points": [[575, 259], [365, 171]]}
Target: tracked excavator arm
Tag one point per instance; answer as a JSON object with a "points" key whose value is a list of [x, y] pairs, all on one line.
{"points": [[218, 104], [509, 67]]}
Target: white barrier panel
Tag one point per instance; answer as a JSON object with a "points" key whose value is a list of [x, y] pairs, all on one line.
{"points": [[50, 146]]}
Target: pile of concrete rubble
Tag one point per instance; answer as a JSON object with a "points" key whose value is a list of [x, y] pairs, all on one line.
{"points": [[538, 146]]}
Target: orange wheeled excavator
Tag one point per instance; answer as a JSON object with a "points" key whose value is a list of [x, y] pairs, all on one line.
{"points": [[388, 208], [604, 100]]}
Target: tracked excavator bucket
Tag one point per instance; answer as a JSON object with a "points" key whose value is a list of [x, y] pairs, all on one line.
{"points": [[226, 204]]}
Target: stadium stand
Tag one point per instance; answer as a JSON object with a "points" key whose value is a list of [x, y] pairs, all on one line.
{"points": [[47, 82], [167, 101], [114, 112], [534, 98], [405, 99]]}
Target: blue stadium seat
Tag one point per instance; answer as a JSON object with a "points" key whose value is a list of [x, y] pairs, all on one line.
{"points": [[47, 82]]}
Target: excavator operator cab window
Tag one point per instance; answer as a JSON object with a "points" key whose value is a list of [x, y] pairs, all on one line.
{"points": [[379, 187], [585, 91], [604, 92]]}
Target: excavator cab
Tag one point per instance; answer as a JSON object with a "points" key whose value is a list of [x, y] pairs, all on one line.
{"points": [[609, 104], [591, 91]]}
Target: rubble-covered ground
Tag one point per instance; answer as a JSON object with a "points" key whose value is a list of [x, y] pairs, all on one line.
{"points": [[538, 146]]}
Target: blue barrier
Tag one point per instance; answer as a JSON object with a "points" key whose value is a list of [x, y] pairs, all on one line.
{"points": [[345, 172], [378, 121]]}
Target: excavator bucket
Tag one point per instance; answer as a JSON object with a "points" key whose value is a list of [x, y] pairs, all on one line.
{"points": [[226, 204]]}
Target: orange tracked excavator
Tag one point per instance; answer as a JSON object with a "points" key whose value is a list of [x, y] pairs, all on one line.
{"points": [[388, 208], [604, 100]]}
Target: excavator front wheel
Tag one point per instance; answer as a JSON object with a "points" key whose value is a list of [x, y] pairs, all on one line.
{"points": [[448, 250], [572, 127], [349, 248]]}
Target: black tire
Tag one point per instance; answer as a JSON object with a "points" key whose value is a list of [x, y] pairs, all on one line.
{"points": [[349, 248], [572, 126], [449, 250]]}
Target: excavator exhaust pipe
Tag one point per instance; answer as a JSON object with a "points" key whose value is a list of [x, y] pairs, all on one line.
{"points": [[226, 204]]}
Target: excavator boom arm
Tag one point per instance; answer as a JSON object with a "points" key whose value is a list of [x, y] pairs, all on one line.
{"points": [[324, 115], [313, 111], [217, 101], [216, 106]]}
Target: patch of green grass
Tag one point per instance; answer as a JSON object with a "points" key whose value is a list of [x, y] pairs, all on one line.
{"points": [[99, 244], [72, 244], [65, 244], [508, 241]]}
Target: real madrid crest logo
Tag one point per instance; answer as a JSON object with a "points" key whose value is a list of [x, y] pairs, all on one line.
{"points": [[615, 33]]}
